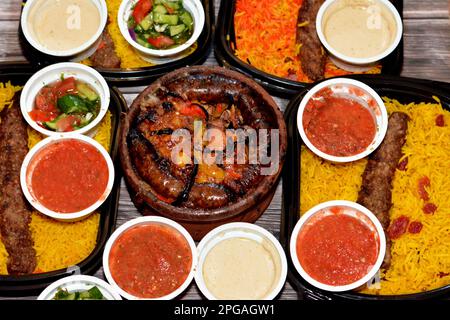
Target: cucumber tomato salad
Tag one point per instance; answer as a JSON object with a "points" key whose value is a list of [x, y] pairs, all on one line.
{"points": [[65, 105], [160, 24]]}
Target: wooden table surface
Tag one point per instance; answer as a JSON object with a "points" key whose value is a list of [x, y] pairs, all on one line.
{"points": [[426, 55]]}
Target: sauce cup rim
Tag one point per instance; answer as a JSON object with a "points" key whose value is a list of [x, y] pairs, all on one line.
{"points": [[103, 12], [317, 209], [146, 221], [379, 135], [221, 231], [73, 216], [353, 60]]}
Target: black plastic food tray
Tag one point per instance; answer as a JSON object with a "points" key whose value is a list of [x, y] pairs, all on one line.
{"points": [[137, 76], [405, 90], [225, 38], [19, 285]]}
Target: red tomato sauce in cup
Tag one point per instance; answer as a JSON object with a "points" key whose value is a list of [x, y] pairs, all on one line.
{"points": [[337, 249], [68, 176], [150, 261], [337, 125]]}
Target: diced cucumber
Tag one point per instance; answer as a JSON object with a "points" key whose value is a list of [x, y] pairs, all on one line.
{"points": [[174, 30], [72, 104], [187, 19], [95, 293], [143, 43], [71, 296], [131, 22], [86, 92], [176, 5], [160, 9], [173, 4], [139, 29], [147, 22], [51, 124], [85, 295], [170, 19]]}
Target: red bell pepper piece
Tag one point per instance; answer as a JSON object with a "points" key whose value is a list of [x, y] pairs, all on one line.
{"points": [[193, 110]]}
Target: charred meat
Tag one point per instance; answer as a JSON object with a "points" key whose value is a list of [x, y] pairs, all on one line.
{"points": [[211, 119], [376, 189], [14, 214], [311, 53], [105, 56], [184, 180]]}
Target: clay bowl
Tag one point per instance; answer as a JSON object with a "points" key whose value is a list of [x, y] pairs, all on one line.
{"points": [[210, 85]]}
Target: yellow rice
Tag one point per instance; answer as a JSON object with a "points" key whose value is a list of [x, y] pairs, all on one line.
{"points": [[58, 244], [420, 262], [129, 58], [7, 92]]}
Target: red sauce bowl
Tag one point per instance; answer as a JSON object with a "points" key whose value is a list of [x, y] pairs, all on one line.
{"points": [[338, 246], [67, 177], [342, 120], [150, 258]]}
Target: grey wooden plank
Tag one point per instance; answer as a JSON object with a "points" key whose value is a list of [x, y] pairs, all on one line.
{"points": [[414, 9], [10, 9], [10, 49], [427, 49]]}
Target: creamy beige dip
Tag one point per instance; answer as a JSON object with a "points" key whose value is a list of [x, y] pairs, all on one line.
{"points": [[359, 28], [62, 25], [241, 268]]}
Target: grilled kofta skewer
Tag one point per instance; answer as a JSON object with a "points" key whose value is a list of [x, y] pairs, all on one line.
{"points": [[14, 214], [311, 54], [375, 193], [105, 56]]}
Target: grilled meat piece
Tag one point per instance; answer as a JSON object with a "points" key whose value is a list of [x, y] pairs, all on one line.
{"points": [[375, 193], [207, 196], [154, 170], [14, 214], [105, 56], [312, 55]]}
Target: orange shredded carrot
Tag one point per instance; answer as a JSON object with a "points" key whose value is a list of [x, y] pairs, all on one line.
{"points": [[265, 38]]}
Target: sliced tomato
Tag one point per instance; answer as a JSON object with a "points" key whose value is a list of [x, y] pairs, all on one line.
{"points": [[42, 116], [46, 100], [65, 87], [67, 124], [142, 9], [193, 110], [161, 42], [169, 9]]}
